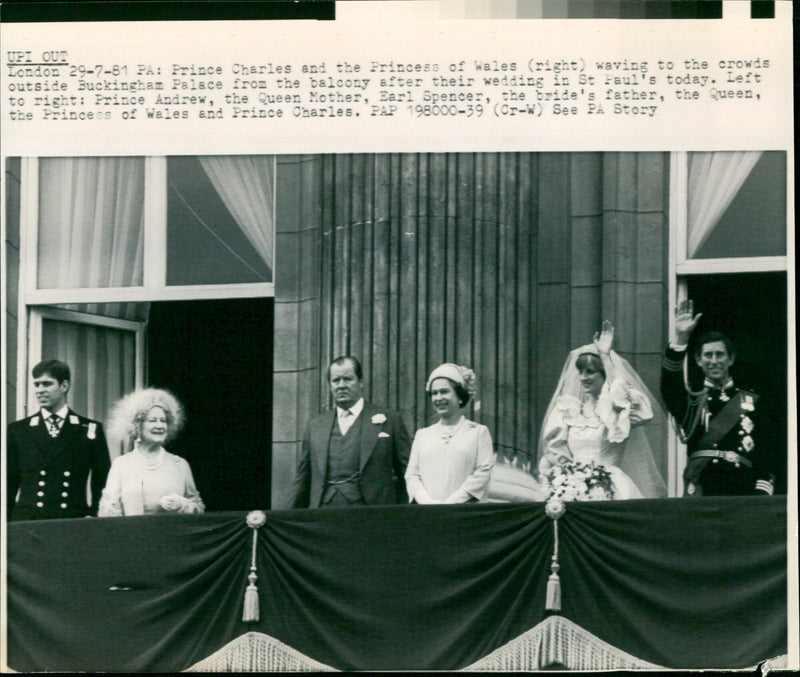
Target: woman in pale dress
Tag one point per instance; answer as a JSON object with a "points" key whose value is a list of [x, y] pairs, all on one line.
{"points": [[451, 461], [148, 479], [597, 414]]}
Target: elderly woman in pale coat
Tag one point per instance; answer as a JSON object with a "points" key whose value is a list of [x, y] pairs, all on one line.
{"points": [[451, 460], [148, 479]]}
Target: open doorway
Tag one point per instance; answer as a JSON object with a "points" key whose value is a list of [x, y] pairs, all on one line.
{"points": [[751, 309], [216, 356]]}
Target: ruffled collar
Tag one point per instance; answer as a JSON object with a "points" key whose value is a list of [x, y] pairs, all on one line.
{"points": [[577, 412]]}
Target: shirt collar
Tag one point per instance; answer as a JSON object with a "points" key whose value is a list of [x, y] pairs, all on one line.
{"points": [[355, 409], [61, 413], [708, 383]]}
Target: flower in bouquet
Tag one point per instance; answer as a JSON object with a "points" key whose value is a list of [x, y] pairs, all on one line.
{"points": [[570, 480]]}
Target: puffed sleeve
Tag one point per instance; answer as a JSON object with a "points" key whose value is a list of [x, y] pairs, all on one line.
{"points": [[554, 439], [477, 484], [414, 486], [111, 497], [620, 407]]}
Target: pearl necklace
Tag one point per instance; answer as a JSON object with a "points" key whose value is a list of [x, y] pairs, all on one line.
{"points": [[150, 463], [448, 431]]}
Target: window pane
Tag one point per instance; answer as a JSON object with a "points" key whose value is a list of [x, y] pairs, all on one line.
{"points": [[90, 222], [754, 223], [205, 242]]}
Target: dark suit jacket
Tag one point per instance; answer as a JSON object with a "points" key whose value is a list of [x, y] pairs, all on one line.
{"points": [[51, 474], [384, 451]]}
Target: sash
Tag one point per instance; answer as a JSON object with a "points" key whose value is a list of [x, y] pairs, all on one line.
{"points": [[725, 419]]}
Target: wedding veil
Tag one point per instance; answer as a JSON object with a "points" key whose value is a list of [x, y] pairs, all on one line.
{"points": [[637, 459]]}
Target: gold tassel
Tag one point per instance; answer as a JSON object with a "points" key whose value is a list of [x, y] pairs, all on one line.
{"points": [[554, 509], [250, 613]]}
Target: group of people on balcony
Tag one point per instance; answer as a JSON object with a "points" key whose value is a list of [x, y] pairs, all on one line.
{"points": [[361, 454]]}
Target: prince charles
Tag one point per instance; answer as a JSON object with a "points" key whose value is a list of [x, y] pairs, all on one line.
{"points": [[355, 454]]}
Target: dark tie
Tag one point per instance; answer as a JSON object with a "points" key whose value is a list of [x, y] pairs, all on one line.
{"points": [[54, 425]]}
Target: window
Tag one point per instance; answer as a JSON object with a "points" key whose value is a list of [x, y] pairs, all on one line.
{"points": [[115, 230], [102, 237], [729, 211]]}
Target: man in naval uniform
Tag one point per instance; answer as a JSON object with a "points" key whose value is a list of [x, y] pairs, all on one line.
{"points": [[354, 455], [52, 453], [724, 427]]}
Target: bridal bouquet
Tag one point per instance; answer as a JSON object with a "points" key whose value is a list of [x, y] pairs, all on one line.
{"points": [[573, 481]]}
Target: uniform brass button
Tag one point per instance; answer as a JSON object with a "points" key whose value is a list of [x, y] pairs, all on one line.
{"points": [[64, 494], [66, 484], [41, 483], [66, 473], [63, 505], [42, 472], [40, 504], [716, 460], [40, 493]]}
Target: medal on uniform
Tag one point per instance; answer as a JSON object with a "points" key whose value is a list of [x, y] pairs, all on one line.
{"points": [[92, 432], [747, 403]]}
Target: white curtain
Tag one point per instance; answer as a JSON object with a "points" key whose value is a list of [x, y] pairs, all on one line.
{"points": [[102, 361], [91, 227], [246, 185], [714, 180]]}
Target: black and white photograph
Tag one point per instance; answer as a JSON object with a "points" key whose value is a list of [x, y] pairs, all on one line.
{"points": [[455, 401]]}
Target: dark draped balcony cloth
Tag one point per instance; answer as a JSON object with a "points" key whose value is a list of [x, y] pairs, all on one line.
{"points": [[681, 583]]}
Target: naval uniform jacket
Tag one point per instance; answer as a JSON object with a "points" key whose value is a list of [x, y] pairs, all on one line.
{"points": [[51, 473], [384, 448], [748, 436]]}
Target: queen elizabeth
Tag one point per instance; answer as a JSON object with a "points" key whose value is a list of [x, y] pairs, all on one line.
{"points": [[451, 461]]}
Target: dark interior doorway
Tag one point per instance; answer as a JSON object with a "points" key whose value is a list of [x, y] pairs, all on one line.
{"points": [[751, 309], [216, 356]]}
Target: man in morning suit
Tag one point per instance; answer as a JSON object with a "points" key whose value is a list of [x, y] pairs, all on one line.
{"points": [[354, 455], [52, 453], [725, 428]]}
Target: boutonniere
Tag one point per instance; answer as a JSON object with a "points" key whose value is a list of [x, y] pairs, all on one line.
{"points": [[92, 432], [377, 419]]}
